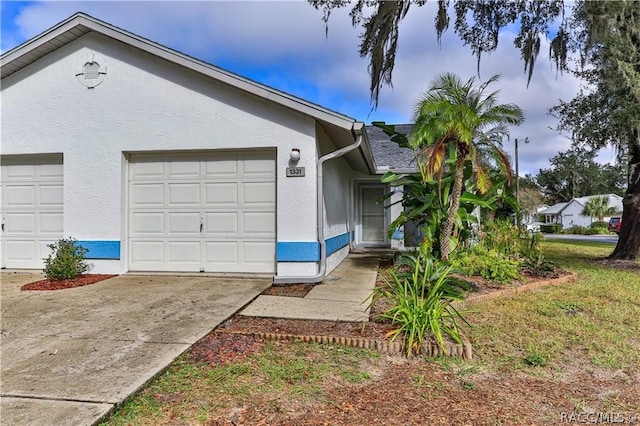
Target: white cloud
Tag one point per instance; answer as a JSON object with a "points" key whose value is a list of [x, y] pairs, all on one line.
{"points": [[283, 44]]}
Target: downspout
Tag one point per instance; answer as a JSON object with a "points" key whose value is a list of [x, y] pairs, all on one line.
{"points": [[322, 265]]}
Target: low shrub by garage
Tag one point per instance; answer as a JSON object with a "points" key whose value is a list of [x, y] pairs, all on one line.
{"points": [[66, 260], [600, 224], [551, 228]]}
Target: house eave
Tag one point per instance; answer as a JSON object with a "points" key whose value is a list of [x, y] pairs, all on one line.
{"points": [[383, 170], [360, 159]]}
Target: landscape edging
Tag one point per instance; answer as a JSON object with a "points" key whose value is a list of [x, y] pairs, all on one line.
{"points": [[463, 350], [507, 292], [430, 349]]}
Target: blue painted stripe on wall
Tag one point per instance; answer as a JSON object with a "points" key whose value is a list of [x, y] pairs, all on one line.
{"points": [[309, 251], [297, 251], [336, 243], [101, 249]]}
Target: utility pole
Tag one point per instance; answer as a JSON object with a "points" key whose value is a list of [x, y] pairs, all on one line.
{"points": [[526, 140]]}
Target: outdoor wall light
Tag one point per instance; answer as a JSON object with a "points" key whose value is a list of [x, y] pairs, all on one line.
{"points": [[295, 154]]}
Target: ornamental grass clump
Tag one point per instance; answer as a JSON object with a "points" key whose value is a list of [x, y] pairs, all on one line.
{"points": [[421, 303], [533, 260], [66, 260]]}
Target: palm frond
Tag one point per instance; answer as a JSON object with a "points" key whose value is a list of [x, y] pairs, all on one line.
{"points": [[483, 181]]}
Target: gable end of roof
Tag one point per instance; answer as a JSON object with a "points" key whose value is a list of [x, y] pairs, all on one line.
{"points": [[81, 24]]}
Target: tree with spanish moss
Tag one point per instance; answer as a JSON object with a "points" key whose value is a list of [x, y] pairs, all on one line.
{"points": [[603, 35], [607, 111]]}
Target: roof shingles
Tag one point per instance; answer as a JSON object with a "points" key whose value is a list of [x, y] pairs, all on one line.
{"points": [[387, 154]]}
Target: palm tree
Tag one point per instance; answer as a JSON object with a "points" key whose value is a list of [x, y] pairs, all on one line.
{"points": [[598, 207], [460, 121]]}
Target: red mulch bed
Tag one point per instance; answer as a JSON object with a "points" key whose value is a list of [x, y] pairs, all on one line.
{"points": [[79, 281], [289, 290]]}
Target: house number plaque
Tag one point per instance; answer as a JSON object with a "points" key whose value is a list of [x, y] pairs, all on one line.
{"points": [[295, 171]]}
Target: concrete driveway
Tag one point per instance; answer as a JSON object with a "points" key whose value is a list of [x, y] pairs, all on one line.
{"points": [[68, 357]]}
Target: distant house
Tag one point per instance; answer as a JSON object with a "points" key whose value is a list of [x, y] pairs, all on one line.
{"points": [[553, 214], [540, 208], [533, 214], [569, 214]]}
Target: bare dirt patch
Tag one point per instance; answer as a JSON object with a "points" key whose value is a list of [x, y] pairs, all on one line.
{"points": [[79, 281], [626, 265], [421, 393], [415, 392], [218, 348]]}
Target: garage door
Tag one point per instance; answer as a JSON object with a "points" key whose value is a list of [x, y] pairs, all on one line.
{"points": [[32, 209], [212, 212]]}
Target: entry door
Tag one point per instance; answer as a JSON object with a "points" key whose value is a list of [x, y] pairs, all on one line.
{"points": [[32, 208], [373, 222]]}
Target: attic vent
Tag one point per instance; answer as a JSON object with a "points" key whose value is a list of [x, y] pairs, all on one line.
{"points": [[92, 74], [91, 70]]}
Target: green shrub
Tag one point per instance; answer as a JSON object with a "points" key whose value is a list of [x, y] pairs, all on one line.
{"points": [[501, 236], [599, 225], [66, 260], [487, 263], [551, 228], [535, 359], [421, 302], [576, 230], [596, 231]]}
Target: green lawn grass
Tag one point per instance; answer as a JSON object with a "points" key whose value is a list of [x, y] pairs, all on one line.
{"points": [[593, 323], [189, 392], [597, 317]]}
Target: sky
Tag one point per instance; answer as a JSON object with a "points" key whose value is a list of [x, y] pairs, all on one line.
{"points": [[283, 44]]}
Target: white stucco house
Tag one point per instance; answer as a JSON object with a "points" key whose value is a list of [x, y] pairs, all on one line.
{"points": [[552, 214], [569, 214], [156, 161]]}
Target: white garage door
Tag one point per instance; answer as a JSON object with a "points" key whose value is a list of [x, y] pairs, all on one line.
{"points": [[32, 209], [212, 212]]}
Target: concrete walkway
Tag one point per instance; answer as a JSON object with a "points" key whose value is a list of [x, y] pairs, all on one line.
{"points": [[340, 297], [68, 357]]}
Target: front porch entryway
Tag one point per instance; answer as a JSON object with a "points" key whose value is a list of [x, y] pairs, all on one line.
{"points": [[372, 217]]}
